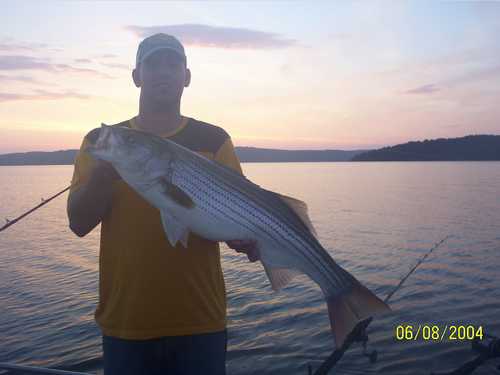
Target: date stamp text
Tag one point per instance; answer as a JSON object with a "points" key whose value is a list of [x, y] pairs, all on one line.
{"points": [[438, 332]]}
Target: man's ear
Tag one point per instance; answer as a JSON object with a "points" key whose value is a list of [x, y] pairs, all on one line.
{"points": [[136, 76], [188, 78]]}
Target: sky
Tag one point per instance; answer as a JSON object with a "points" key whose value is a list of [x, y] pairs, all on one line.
{"points": [[276, 74]]}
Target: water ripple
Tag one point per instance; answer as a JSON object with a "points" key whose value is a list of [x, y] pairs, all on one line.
{"points": [[49, 278]]}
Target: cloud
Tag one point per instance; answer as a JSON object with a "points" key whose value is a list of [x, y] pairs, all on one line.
{"points": [[4, 78], [42, 95], [490, 73], [340, 36], [20, 62], [10, 47], [216, 36], [71, 69], [106, 64], [107, 56], [83, 61], [116, 65], [423, 90]]}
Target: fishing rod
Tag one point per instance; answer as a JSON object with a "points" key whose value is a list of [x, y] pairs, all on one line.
{"points": [[44, 202], [487, 351], [36, 370], [358, 334]]}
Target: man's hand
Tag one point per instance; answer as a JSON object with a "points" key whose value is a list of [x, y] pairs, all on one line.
{"points": [[249, 247]]}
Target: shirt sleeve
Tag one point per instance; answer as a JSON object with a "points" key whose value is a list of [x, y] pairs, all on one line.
{"points": [[227, 155], [83, 165]]}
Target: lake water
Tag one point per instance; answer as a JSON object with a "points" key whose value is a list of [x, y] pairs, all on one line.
{"points": [[375, 219]]}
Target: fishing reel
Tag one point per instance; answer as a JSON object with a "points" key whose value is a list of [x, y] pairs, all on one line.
{"points": [[491, 347], [488, 348], [363, 339]]}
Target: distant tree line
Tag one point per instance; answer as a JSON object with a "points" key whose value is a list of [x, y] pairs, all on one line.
{"points": [[39, 158], [472, 147]]}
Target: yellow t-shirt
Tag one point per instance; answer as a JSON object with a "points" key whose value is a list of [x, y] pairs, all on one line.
{"points": [[148, 289]]}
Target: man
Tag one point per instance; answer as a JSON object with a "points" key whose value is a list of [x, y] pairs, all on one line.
{"points": [[162, 310]]}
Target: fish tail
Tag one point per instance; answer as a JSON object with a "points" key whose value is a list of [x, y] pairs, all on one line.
{"points": [[347, 309]]}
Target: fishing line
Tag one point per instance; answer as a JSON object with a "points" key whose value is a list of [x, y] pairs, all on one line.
{"points": [[358, 334], [420, 261]]}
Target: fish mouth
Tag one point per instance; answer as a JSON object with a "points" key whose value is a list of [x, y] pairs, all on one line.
{"points": [[103, 140], [97, 148]]}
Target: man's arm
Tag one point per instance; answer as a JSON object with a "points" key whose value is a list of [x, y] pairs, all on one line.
{"points": [[92, 201], [90, 194]]}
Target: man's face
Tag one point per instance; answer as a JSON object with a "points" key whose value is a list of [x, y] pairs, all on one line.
{"points": [[162, 77]]}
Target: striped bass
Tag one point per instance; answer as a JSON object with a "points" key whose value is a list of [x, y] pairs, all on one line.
{"points": [[198, 195]]}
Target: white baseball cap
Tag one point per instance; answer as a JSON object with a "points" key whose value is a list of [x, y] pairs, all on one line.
{"points": [[157, 42]]}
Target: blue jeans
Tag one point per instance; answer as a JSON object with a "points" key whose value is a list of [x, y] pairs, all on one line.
{"points": [[174, 355]]}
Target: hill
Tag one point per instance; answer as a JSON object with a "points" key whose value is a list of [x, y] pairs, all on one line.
{"points": [[253, 154], [469, 148], [39, 158]]}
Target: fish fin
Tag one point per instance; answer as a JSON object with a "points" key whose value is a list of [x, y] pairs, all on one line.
{"points": [[300, 208], [176, 194], [174, 229], [279, 277], [347, 309]]}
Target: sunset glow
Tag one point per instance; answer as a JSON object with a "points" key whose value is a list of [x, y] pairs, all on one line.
{"points": [[294, 75]]}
